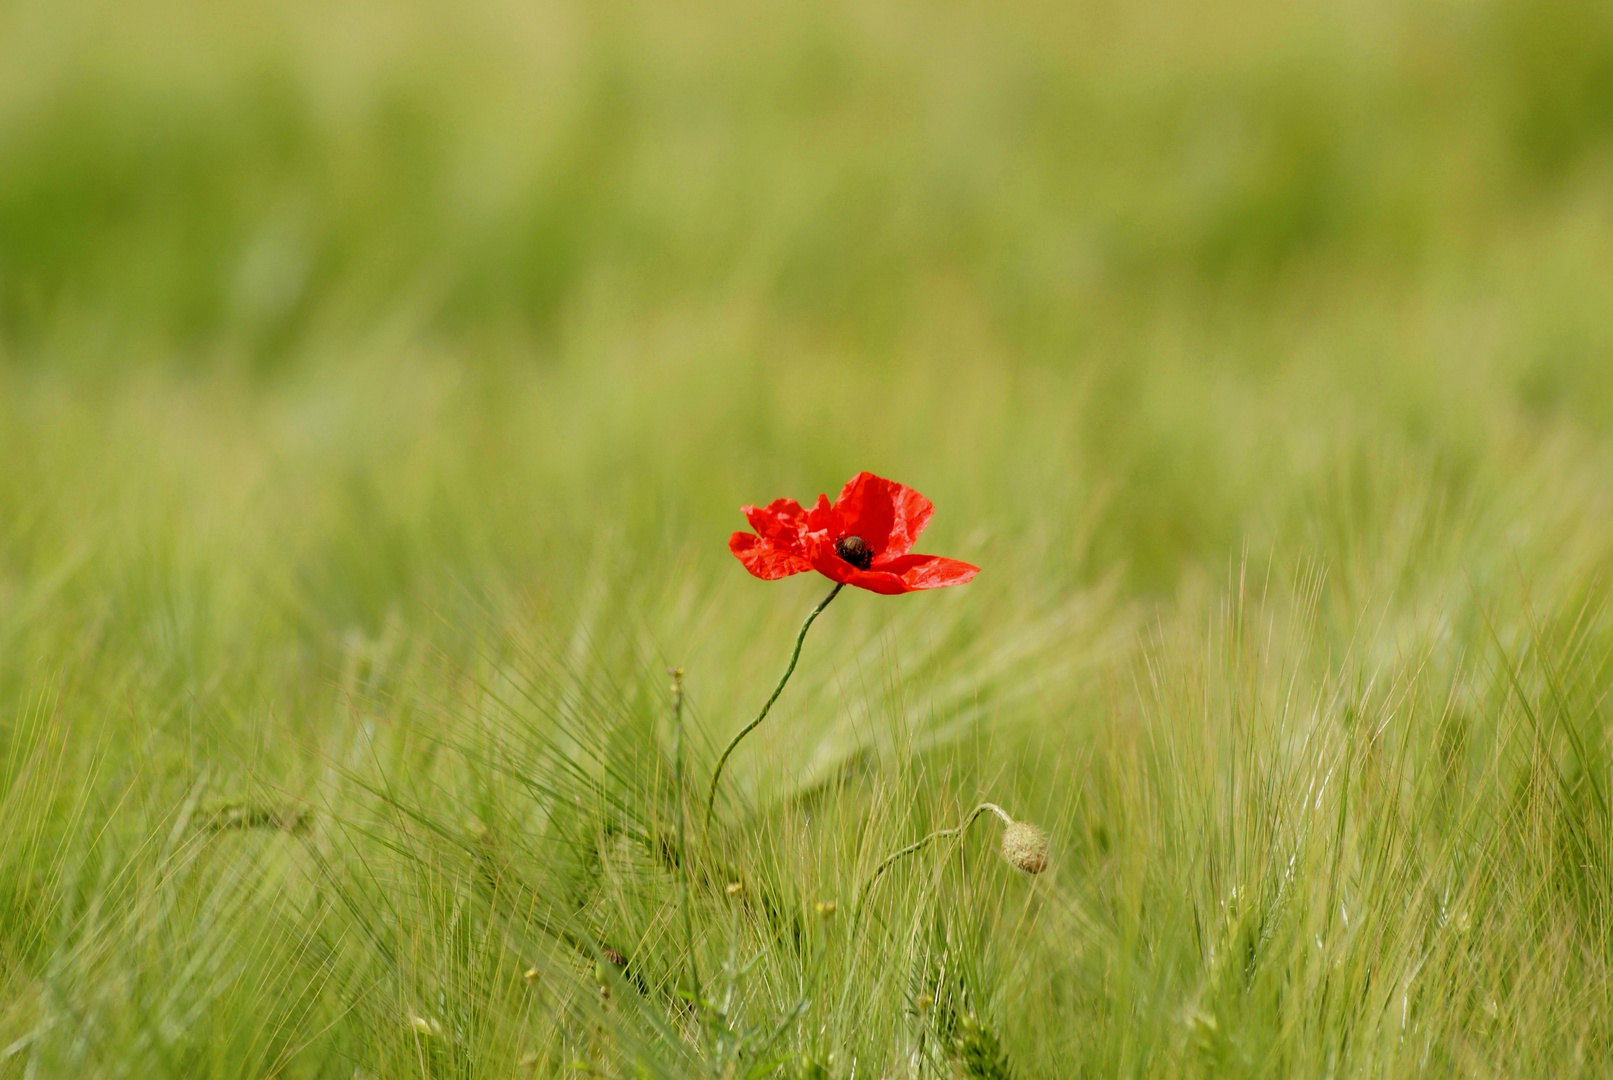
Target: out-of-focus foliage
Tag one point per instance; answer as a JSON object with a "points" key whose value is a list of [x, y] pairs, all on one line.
{"points": [[232, 181], [378, 386]]}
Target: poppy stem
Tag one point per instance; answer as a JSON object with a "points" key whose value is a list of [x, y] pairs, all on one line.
{"points": [[711, 796]]}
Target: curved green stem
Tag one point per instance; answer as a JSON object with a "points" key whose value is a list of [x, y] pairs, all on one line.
{"points": [[711, 796], [683, 848], [919, 845]]}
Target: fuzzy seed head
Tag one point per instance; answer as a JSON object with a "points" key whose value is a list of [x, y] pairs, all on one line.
{"points": [[1025, 847]]}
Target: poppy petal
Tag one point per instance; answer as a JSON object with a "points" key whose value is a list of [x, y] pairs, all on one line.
{"points": [[927, 571], [766, 559], [782, 521], [833, 567], [821, 518], [887, 515]]}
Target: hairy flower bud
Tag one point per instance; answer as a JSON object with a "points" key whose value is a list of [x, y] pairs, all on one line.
{"points": [[1025, 846]]}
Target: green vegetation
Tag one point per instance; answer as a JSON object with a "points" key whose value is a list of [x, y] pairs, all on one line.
{"points": [[379, 384]]}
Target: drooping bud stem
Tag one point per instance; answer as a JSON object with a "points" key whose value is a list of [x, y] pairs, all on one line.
{"points": [[855, 550], [1024, 846]]}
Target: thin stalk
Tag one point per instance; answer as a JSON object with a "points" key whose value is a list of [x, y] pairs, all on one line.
{"points": [[919, 845], [711, 796], [683, 848]]}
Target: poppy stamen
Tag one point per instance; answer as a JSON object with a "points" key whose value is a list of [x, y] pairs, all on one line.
{"points": [[855, 550]]}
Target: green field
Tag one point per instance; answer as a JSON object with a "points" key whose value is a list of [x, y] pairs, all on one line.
{"points": [[380, 382]]}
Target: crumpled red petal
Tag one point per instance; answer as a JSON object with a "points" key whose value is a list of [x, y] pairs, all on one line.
{"points": [[887, 515], [782, 521], [766, 559], [904, 574], [833, 567], [928, 571], [821, 520]]}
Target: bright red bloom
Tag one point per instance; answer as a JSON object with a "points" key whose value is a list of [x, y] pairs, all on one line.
{"points": [[863, 538]]}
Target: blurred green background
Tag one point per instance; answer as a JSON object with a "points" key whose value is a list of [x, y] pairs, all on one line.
{"points": [[1129, 275], [328, 330]]}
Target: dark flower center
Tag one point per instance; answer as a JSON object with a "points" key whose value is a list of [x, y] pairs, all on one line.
{"points": [[855, 550]]}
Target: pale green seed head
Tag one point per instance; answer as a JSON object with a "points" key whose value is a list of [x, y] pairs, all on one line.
{"points": [[1025, 847]]}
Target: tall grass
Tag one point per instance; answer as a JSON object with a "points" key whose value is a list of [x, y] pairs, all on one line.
{"points": [[378, 386]]}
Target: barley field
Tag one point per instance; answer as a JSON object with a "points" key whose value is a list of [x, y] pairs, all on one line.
{"points": [[380, 384]]}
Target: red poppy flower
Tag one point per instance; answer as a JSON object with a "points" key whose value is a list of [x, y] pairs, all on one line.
{"points": [[864, 538]]}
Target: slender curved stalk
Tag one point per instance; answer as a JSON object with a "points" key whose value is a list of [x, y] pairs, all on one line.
{"points": [[919, 845], [711, 796], [683, 848]]}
